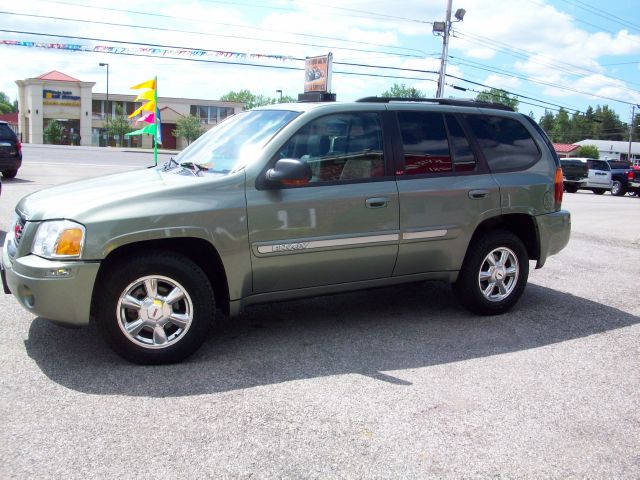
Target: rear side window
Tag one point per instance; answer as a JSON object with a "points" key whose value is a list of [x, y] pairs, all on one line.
{"points": [[425, 143], [505, 142], [6, 133]]}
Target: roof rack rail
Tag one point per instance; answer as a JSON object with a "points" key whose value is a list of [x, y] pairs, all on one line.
{"points": [[442, 101]]}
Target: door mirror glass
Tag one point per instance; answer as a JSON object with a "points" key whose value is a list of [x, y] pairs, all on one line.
{"points": [[289, 172]]}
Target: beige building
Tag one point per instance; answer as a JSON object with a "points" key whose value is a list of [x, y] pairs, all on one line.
{"points": [[83, 114]]}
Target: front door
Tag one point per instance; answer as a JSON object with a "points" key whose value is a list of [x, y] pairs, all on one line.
{"points": [[343, 226]]}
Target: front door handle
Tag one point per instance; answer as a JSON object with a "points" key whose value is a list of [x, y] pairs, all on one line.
{"points": [[478, 194], [377, 202]]}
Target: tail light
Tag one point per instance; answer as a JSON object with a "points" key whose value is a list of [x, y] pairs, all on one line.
{"points": [[18, 145], [630, 175], [559, 188]]}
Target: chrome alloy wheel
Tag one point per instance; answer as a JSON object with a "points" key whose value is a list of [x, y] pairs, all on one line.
{"points": [[154, 312], [498, 274]]}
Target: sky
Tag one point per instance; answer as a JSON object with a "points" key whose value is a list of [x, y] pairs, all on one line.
{"points": [[553, 53]]}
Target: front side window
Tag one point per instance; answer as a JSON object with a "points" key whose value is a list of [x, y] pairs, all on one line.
{"points": [[425, 143], [598, 165], [505, 142], [345, 146]]}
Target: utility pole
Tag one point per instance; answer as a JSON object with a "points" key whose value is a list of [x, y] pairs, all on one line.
{"points": [[445, 51], [631, 127]]}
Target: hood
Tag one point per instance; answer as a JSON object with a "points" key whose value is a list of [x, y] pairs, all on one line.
{"points": [[76, 200]]}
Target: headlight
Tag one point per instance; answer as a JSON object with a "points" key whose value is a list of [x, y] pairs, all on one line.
{"points": [[59, 239]]}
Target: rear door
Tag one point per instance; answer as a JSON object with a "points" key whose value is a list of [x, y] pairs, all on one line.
{"points": [[445, 191]]}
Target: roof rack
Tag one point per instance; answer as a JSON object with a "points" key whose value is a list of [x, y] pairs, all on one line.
{"points": [[442, 101]]}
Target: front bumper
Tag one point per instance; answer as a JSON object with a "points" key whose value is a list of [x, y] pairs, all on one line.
{"points": [[59, 291], [554, 231]]}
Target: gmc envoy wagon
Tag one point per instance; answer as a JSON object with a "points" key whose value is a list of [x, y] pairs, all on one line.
{"points": [[290, 201]]}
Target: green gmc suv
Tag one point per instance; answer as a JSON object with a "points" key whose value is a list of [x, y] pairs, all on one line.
{"points": [[291, 201]]}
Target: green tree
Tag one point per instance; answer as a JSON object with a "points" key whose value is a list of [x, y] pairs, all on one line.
{"points": [[188, 127], [249, 99], [53, 132], [588, 151], [561, 127], [497, 95], [609, 126], [252, 100], [547, 122], [402, 91], [6, 105], [119, 126]]}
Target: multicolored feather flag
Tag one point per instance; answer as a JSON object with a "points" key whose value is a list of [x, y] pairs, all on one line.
{"points": [[150, 96]]}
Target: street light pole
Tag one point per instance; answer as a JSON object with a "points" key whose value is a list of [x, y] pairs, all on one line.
{"points": [[107, 106], [445, 51], [280, 92]]}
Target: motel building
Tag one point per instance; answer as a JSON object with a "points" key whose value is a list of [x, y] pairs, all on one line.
{"points": [[83, 114]]}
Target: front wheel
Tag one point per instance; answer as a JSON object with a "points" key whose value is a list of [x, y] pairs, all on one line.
{"points": [[9, 173], [494, 274], [155, 308], [599, 191], [617, 189]]}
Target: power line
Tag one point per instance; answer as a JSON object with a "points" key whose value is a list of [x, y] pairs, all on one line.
{"points": [[540, 82], [602, 13], [197, 20], [113, 24], [527, 55]]}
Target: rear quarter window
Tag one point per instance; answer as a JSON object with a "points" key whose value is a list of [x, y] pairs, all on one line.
{"points": [[506, 143], [6, 133]]}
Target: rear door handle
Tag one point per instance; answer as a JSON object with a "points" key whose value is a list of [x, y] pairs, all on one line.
{"points": [[478, 194], [377, 202]]}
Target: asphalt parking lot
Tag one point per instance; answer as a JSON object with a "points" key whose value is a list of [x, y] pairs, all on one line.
{"points": [[397, 382]]}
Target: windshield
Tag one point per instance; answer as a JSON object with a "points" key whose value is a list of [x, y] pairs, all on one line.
{"points": [[235, 142]]}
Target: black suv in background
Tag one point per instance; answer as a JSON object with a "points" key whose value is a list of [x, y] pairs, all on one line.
{"points": [[10, 151]]}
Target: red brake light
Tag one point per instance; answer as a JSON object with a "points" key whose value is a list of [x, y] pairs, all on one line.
{"points": [[19, 145], [559, 188]]}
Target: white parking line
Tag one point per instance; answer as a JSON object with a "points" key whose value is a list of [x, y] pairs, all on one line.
{"points": [[71, 164]]}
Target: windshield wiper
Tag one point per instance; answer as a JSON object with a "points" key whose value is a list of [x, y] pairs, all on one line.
{"points": [[167, 166]]}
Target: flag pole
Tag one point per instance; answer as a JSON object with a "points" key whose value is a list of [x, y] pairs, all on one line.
{"points": [[155, 120]]}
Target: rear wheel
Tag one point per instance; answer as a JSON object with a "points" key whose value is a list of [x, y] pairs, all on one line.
{"points": [[494, 274], [9, 173], [155, 308], [570, 188], [617, 189]]}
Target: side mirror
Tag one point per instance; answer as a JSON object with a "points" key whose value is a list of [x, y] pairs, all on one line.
{"points": [[289, 172]]}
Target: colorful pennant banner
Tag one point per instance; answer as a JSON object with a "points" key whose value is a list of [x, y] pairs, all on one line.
{"points": [[146, 50], [150, 96]]}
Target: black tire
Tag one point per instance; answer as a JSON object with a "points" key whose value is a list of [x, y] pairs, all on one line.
{"points": [[9, 173], [618, 189], [599, 191], [570, 188], [477, 295], [151, 280]]}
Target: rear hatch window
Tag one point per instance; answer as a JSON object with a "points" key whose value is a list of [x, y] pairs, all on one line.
{"points": [[6, 133]]}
